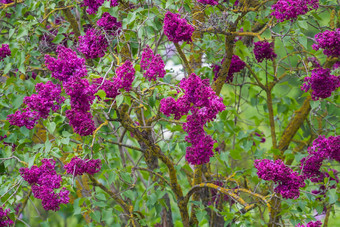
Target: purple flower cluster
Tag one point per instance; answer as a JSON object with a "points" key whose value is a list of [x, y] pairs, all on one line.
{"points": [[176, 28], [26, 117], [79, 166], [111, 88], [204, 105], [67, 65], [82, 96], [125, 75], [236, 65], [4, 51], [5, 221], [114, 3], [329, 41], [44, 180], [288, 182], [92, 5], [208, 2], [322, 83], [93, 44], [110, 24], [153, 64], [48, 98], [311, 224], [322, 148], [264, 50], [291, 9]]}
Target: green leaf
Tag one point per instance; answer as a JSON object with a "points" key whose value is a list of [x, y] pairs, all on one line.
{"points": [[101, 93], [51, 127], [7, 68], [333, 197], [119, 99], [58, 38]]}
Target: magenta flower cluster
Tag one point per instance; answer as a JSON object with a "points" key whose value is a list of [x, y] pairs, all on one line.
{"points": [[4, 51], [329, 41], [110, 87], [125, 75], [25, 117], [208, 2], [291, 9], [264, 50], [311, 224], [204, 105], [93, 44], [322, 148], [322, 83], [288, 181], [92, 5], [5, 221], [67, 65], [78, 166], [176, 28], [236, 65], [44, 180], [153, 64], [110, 24]]}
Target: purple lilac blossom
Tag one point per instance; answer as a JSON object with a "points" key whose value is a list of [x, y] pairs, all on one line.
{"points": [[176, 28], [92, 5], [113, 3], [153, 64], [125, 75], [236, 65], [44, 180], [208, 2], [5, 221], [322, 83], [311, 224], [79, 166], [93, 44], [110, 24], [111, 88], [4, 51], [67, 65], [288, 182], [204, 105], [264, 50], [81, 122], [291, 9], [26, 117], [329, 41]]}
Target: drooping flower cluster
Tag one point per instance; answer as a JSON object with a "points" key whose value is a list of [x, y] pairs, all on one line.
{"points": [[25, 117], [78, 166], [176, 28], [111, 88], [44, 180], [291, 9], [264, 50], [236, 65], [82, 96], [311, 224], [113, 3], [125, 75], [93, 44], [204, 105], [329, 41], [321, 82], [322, 148], [67, 65], [153, 64], [208, 2], [48, 98], [4, 51], [92, 5], [5, 221], [288, 181], [110, 24]]}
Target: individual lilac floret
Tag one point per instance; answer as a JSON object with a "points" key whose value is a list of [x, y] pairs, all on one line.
{"points": [[67, 65], [5, 221], [311, 224], [125, 75], [291, 9], [322, 83], [44, 180], [79, 166], [92, 5], [26, 117], [81, 122], [93, 44], [153, 64], [264, 50], [4, 51], [176, 28], [288, 182], [110, 24], [48, 98], [329, 41], [208, 2]]}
